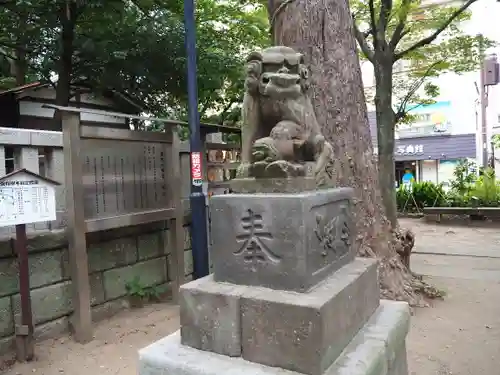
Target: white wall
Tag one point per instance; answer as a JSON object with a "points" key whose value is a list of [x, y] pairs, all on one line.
{"points": [[429, 170]]}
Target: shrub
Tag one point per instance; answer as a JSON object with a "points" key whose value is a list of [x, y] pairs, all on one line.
{"points": [[454, 199], [486, 190], [464, 178], [422, 194]]}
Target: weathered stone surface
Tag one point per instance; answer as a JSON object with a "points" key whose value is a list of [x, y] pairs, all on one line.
{"points": [[365, 355], [47, 241], [47, 303], [112, 254], [281, 241], [398, 365], [210, 316], [188, 262], [6, 344], [149, 245], [6, 249], [52, 329], [306, 333], [273, 185], [96, 289], [150, 272], [8, 276], [187, 238], [45, 268], [6, 321], [385, 333], [108, 309]]}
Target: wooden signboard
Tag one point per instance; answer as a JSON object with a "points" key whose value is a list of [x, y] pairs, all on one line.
{"points": [[25, 198]]}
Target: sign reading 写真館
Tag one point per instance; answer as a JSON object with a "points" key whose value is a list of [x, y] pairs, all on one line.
{"points": [[26, 197], [409, 150]]}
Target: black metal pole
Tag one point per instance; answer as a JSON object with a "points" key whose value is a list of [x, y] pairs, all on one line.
{"points": [[197, 198]]}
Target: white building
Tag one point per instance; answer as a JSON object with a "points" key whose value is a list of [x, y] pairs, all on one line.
{"points": [[455, 120]]}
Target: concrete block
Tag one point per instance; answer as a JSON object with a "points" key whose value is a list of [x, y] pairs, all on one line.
{"points": [[48, 303], [96, 289], [210, 316], [111, 254], [9, 282], [6, 249], [151, 272], [6, 319], [108, 309], [363, 356], [6, 345], [52, 329], [281, 241], [307, 332], [399, 365], [368, 353], [188, 262], [45, 268], [187, 237], [149, 245], [47, 241]]}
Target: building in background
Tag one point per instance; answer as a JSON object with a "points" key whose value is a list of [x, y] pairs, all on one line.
{"points": [[434, 150], [432, 145]]}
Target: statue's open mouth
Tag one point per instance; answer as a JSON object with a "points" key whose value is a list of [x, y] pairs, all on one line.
{"points": [[281, 85]]}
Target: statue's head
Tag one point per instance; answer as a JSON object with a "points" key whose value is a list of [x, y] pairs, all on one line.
{"points": [[277, 72]]}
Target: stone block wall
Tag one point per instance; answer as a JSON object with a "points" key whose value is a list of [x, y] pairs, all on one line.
{"points": [[115, 257]]}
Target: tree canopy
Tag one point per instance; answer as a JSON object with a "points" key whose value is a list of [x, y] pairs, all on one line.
{"points": [[427, 41], [135, 47]]}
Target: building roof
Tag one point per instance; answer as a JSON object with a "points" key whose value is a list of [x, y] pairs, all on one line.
{"points": [[22, 88], [38, 85], [24, 170]]}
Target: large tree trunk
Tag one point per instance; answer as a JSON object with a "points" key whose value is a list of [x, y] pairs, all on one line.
{"points": [[385, 136], [65, 65], [322, 31], [18, 67]]}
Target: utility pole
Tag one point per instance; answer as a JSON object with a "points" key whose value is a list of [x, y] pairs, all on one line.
{"points": [[490, 76], [483, 103], [197, 200]]}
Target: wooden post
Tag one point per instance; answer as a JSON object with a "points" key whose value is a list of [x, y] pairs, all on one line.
{"points": [[25, 349], [82, 319], [54, 169], [177, 230], [25, 157]]}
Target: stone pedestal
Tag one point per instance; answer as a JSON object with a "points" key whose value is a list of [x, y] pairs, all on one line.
{"points": [[281, 241], [287, 296]]}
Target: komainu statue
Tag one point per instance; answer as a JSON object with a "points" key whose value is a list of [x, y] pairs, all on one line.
{"points": [[280, 133]]}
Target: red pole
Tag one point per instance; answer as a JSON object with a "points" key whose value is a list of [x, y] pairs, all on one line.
{"points": [[24, 331]]}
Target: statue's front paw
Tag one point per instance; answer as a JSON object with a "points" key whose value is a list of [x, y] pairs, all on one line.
{"points": [[242, 170]]}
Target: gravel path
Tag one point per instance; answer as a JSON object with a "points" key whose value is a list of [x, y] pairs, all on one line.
{"points": [[459, 336]]}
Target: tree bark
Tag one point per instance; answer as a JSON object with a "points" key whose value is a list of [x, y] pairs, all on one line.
{"points": [[65, 65], [385, 136], [18, 67], [322, 31]]}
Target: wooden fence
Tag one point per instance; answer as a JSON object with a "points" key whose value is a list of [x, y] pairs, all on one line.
{"points": [[110, 178], [41, 151]]}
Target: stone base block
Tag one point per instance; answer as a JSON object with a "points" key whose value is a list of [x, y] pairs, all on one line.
{"points": [[378, 349], [303, 332], [273, 185], [281, 241]]}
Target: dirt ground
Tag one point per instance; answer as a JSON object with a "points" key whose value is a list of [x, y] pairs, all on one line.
{"points": [[458, 336]]}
